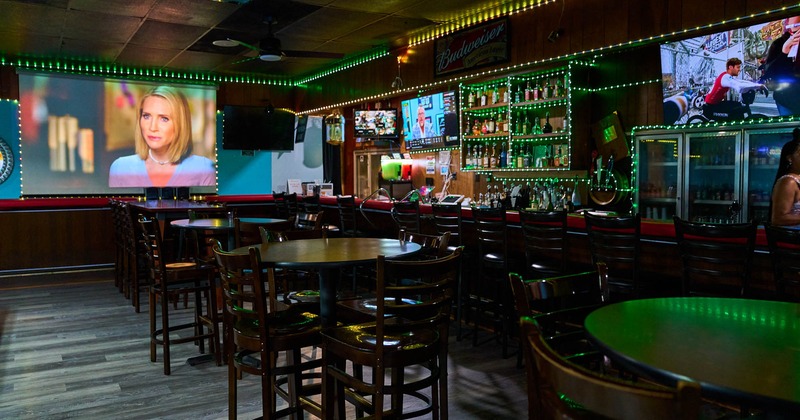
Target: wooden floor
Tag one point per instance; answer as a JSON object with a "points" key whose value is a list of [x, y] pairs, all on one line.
{"points": [[72, 346]]}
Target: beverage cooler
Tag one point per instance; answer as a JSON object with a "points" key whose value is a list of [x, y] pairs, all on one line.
{"points": [[711, 174]]}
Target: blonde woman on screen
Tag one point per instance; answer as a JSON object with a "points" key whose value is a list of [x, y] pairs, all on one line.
{"points": [[163, 141]]}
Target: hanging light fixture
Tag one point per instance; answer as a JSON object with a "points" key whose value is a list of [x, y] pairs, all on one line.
{"points": [[334, 132]]}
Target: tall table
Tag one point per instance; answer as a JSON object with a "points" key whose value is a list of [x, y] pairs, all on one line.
{"points": [[743, 350], [328, 255], [222, 225]]}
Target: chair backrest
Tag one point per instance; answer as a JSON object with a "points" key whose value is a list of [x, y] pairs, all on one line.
{"points": [[245, 234], [551, 378], [784, 250], [490, 230], [216, 213], [545, 236], [549, 294], [243, 288], [614, 240], [406, 215], [433, 246], [347, 214], [268, 235], [156, 260], [304, 221], [716, 257], [291, 205], [311, 204], [447, 218], [279, 209], [418, 292]]}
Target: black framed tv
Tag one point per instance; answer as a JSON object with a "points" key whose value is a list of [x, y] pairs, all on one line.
{"points": [[430, 121], [376, 123], [257, 128]]}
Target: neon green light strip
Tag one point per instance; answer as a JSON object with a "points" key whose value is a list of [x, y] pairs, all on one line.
{"points": [[619, 86]]}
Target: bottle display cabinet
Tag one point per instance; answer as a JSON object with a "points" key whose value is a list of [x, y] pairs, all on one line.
{"points": [[712, 175]]}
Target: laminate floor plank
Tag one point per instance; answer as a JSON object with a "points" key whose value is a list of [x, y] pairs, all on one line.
{"points": [[71, 346]]}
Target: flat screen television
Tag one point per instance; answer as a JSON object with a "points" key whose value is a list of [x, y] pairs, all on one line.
{"points": [[257, 128], [376, 123], [690, 67], [430, 121]]}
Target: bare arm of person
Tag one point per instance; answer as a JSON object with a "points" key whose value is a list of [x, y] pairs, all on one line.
{"points": [[784, 195]]}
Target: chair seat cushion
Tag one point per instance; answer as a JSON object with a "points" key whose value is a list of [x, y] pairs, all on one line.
{"points": [[362, 337], [293, 320]]}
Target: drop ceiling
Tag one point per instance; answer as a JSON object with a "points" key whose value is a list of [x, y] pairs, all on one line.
{"points": [[179, 34]]}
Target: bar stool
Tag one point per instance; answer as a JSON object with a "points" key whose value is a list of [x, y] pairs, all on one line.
{"points": [[173, 279], [545, 235], [490, 296], [406, 216], [784, 250], [614, 240], [447, 219], [348, 222], [717, 258]]}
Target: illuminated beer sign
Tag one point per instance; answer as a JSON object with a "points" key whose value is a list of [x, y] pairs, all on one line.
{"points": [[479, 46]]}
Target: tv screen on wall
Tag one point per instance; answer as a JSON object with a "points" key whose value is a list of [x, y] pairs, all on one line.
{"points": [[430, 121], [257, 128], [375, 123], [691, 67], [78, 136]]}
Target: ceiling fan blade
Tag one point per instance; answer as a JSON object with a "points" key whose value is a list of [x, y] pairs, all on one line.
{"points": [[311, 54], [244, 60], [244, 44]]}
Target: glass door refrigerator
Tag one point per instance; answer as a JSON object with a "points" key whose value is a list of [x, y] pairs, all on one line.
{"points": [[763, 154], [711, 177], [658, 175]]}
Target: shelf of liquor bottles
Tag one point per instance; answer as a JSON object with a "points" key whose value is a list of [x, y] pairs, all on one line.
{"points": [[517, 123]]}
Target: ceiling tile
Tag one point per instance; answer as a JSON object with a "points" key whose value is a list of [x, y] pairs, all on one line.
{"points": [[104, 49], [144, 56], [166, 35], [192, 12], [138, 8], [91, 25], [22, 43], [32, 18]]}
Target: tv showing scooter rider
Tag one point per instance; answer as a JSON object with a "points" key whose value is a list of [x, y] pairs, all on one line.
{"points": [[743, 73]]}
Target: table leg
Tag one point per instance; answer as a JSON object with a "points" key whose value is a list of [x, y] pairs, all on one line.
{"points": [[327, 296]]}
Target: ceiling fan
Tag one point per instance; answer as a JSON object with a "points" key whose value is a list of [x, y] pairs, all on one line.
{"points": [[269, 48]]}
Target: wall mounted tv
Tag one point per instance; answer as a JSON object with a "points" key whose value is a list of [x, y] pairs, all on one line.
{"points": [[257, 128], [376, 123], [430, 121], [690, 67]]}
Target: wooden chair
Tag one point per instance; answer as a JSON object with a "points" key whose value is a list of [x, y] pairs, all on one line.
{"points": [[614, 240], [490, 297], [311, 204], [169, 280], [257, 334], [279, 209], [784, 250], [564, 301], [403, 334], [135, 271], [406, 215], [433, 246], [287, 279], [306, 221], [545, 236], [447, 218], [717, 258], [559, 389], [348, 222]]}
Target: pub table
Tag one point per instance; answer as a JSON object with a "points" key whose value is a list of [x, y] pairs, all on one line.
{"points": [[740, 350], [328, 255], [224, 225]]}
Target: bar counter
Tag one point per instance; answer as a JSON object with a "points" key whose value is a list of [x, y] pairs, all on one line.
{"points": [[77, 232]]}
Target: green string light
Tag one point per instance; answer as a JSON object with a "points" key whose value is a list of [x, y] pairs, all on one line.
{"points": [[619, 86]]}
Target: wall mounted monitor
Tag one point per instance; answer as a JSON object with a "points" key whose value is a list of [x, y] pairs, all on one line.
{"points": [[376, 123], [690, 67], [430, 121], [257, 128]]}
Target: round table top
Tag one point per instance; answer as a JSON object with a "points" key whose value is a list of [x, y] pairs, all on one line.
{"points": [[220, 224], [332, 251], [742, 349]]}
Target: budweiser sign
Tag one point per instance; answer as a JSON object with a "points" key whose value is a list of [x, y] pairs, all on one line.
{"points": [[472, 48]]}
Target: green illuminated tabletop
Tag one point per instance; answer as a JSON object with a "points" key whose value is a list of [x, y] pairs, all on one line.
{"points": [[738, 349]]}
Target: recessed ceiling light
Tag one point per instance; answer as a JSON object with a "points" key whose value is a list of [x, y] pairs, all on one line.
{"points": [[226, 43]]}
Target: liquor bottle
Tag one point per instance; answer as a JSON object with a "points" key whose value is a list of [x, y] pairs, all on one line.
{"points": [[502, 123], [546, 89], [518, 129], [478, 157], [501, 162], [506, 95], [517, 93], [576, 197], [547, 127], [526, 126], [484, 98], [548, 157], [494, 96], [536, 91], [537, 128], [559, 157], [528, 91], [476, 129], [520, 157], [560, 88], [528, 160], [491, 125], [484, 127], [509, 157], [485, 162], [471, 99]]}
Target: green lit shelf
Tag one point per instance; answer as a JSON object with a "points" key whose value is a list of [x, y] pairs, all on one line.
{"points": [[493, 136], [542, 169], [489, 106], [541, 103], [543, 137]]}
